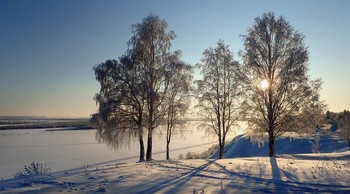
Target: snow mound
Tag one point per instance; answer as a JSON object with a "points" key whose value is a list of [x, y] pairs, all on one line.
{"points": [[243, 146]]}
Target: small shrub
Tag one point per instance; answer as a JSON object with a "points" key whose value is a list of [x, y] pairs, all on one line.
{"points": [[325, 169], [101, 188], [198, 191], [33, 169], [189, 155], [181, 157]]}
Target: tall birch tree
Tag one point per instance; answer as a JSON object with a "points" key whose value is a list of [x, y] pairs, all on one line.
{"points": [[121, 103], [149, 48], [275, 76], [177, 99], [218, 93]]}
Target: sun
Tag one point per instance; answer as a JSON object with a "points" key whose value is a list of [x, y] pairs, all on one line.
{"points": [[264, 84]]}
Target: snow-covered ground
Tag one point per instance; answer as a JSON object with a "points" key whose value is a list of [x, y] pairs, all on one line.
{"points": [[244, 146], [67, 149], [312, 173], [246, 169]]}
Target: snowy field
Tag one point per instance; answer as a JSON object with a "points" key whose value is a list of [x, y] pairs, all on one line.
{"points": [[80, 165], [306, 173], [64, 150]]}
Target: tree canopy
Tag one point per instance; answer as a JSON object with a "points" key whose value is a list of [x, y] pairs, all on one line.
{"points": [[149, 85], [274, 54], [219, 92], [134, 90]]}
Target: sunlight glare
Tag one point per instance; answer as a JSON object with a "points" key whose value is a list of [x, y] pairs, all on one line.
{"points": [[264, 84]]}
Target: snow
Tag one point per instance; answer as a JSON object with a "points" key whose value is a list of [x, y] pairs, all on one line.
{"points": [[243, 175], [67, 149], [243, 146], [245, 170]]}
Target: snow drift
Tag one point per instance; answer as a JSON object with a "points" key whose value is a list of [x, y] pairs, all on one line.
{"points": [[244, 146]]}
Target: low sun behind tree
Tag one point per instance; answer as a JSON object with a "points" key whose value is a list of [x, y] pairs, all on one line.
{"points": [[275, 52], [149, 86]]}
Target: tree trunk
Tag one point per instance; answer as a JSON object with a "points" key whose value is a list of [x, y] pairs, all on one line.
{"points": [[142, 150], [149, 145], [271, 145], [270, 113], [142, 146], [221, 150], [167, 150], [168, 130]]}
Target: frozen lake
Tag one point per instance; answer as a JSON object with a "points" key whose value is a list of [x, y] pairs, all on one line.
{"points": [[63, 150]]}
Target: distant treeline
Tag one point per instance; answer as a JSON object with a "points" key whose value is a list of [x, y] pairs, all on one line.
{"points": [[45, 123], [21, 117], [335, 117]]}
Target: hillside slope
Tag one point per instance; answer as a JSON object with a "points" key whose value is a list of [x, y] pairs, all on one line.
{"points": [[243, 146]]}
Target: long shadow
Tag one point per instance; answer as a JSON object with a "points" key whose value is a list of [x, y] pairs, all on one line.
{"points": [[253, 184], [276, 174], [172, 185], [262, 185], [176, 183]]}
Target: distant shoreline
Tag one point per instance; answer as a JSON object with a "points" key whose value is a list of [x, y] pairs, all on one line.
{"points": [[71, 129], [40, 118], [48, 128], [29, 123]]}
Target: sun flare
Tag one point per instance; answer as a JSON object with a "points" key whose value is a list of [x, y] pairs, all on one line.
{"points": [[264, 84]]}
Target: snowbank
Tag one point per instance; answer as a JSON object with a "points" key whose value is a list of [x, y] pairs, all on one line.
{"points": [[243, 146]]}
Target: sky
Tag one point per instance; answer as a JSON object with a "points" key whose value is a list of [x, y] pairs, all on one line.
{"points": [[48, 48]]}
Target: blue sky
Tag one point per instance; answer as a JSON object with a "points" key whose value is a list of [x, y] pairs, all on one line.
{"points": [[48, 48]]}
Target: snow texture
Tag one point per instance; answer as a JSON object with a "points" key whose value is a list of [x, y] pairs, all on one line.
{"points": [[243, 146], [66, 149], [289, 174], [294, 170]]}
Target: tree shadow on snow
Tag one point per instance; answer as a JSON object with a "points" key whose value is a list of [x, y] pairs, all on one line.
{"points": [[251, 183], [276, 174], [175, 184]]}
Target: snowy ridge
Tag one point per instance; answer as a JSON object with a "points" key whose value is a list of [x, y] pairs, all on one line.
{"points": [[243, 146]]}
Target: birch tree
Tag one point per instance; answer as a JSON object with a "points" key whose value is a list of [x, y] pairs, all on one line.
{"points": [[121, 103], [177, 99], [149, 48], [218, 93], [275, 76]]}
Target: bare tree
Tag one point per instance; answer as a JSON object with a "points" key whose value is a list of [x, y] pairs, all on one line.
{"points": [[149, 48], [275, 76], [121, 104], [177, 99], [344, 127], [218, 93]]}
